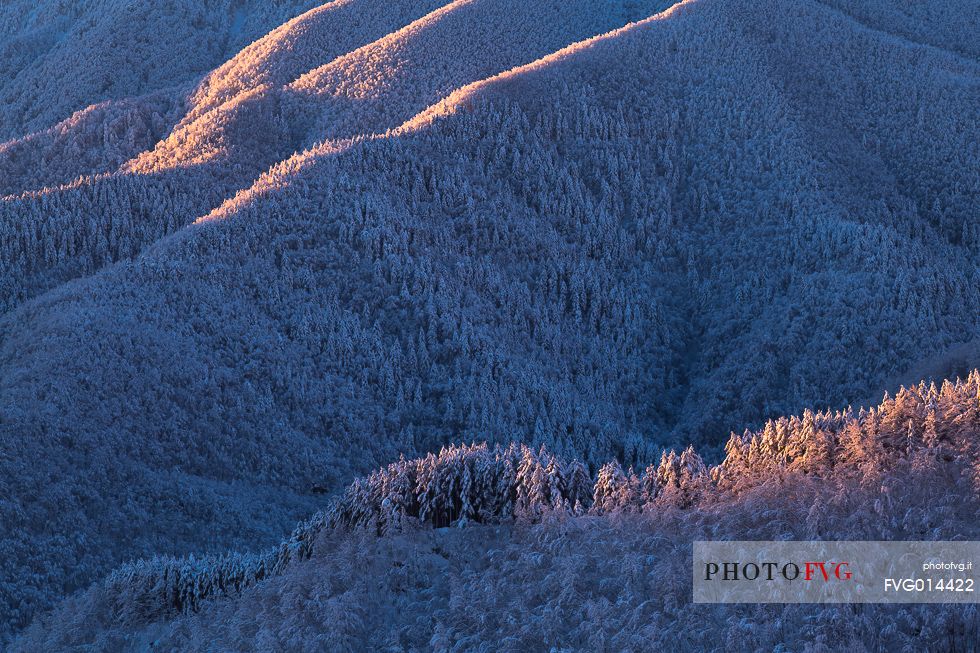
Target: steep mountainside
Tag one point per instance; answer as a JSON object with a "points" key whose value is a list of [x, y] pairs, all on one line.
{"points": [[60, 55], [105, 72], [387, 226]]}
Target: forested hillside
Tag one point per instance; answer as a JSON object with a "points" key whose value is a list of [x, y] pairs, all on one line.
{"points": [[326, 236], [543, 556], [58, 56]]}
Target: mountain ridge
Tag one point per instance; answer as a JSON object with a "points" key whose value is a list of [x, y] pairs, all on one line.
{"points": [[832, 461], [681, 228]]}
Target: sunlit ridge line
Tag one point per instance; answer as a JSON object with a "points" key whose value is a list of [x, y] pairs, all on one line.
{"points": [[281, 174], [457, 98]]}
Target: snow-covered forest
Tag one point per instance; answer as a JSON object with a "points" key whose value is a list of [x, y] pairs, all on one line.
{"points": [[542, 556], [250, 248]]}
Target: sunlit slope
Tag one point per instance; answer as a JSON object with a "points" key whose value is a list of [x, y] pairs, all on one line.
{"points": [[89, 85], [652, 238], [377, 69], [59, 57], [93, 141], [328, 31], [249, 115], [57, 233], [847, 184], [381, 85], [542, 552], [238, 116]]}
